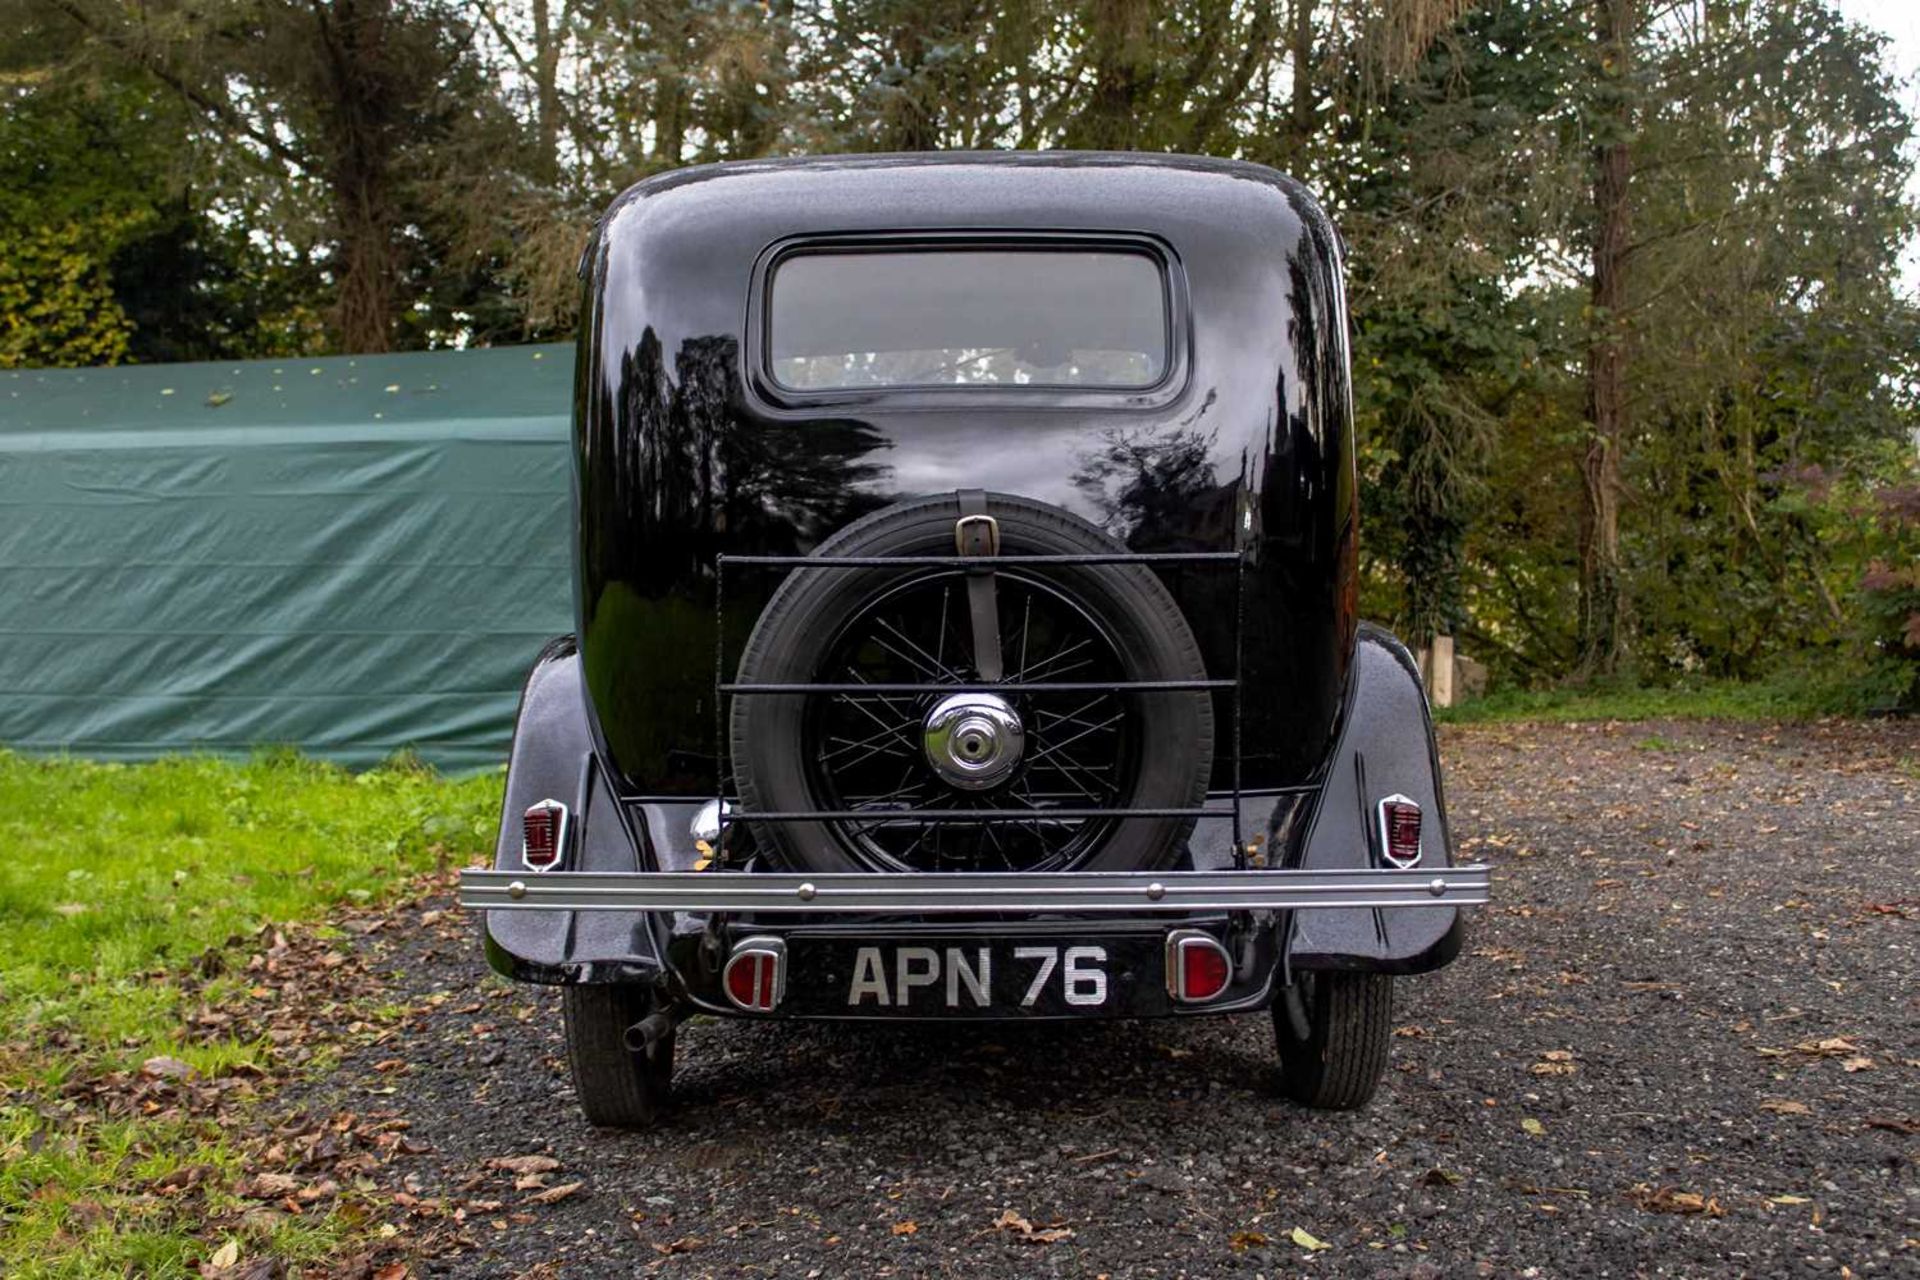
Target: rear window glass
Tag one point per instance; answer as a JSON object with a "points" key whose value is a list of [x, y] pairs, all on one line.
{"points": [[967, 317]]}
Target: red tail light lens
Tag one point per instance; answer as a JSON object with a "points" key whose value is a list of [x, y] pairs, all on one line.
{"points": [[755, 976], [1400, 831], [543, 830], [1198, 967]]}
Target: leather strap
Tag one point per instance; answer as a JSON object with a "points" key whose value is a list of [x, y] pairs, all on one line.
{"points": [[976, 533]]}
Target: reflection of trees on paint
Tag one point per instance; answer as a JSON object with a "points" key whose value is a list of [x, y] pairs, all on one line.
{"points": [[686, 474], [668, 479], [1146, 480]]}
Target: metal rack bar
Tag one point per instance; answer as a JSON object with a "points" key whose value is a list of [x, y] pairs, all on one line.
{"points": [[976, 562], [724, 689], [1004, 686], [959, 815]]}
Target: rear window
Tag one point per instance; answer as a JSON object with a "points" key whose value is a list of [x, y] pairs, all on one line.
{"points": [[966, 318]]}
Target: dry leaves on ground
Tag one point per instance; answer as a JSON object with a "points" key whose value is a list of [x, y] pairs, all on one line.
{"points": [[1024, 1228], [1674, 1200], [1554, 1062], [1308, 1241]]}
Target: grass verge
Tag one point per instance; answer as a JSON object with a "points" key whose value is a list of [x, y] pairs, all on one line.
{"points": [[129, 896]]}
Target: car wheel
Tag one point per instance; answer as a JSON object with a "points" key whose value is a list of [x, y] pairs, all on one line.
{"points": [[1088, 750], [1338, 1064], [616, 1087]]}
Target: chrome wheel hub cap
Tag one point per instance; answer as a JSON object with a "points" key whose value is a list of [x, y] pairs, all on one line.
{"points": [[973, 740]]}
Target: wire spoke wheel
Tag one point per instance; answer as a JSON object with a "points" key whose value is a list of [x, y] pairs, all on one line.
{"points": [[901, 772], [870, 752]]}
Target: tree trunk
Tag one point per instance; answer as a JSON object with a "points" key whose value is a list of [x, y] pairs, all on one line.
{"points": [[1602, 589], [546, 87], [1301, 103], [359, 111], [1120, 49]]}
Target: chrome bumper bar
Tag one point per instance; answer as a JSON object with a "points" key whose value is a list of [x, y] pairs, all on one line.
{"points": [[866, 893]]}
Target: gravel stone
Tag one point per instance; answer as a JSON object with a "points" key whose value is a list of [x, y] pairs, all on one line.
{"points": [[1686, 910]]}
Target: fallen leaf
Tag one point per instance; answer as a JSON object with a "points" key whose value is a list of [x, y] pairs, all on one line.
{"points": [[1438, 1177], [1011, 1221], [1861, 1063], [906, 1228], [1241, 1241], [1672, 1200], [1788, 1200], [1534, 1127], [1306, 1240], [685, 1244], [268, 1186], [392, 1271], [524, 1164], [165, 1068], [1831, 1047], [554, 1195], [1785, 1107], [226, 1255], [1893, 1124]]}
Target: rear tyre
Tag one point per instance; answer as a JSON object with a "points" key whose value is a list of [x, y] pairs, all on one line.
{"points": [[780, 756], [616, 1088], [1338, 1066]]}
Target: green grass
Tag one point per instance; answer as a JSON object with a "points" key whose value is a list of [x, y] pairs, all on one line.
{"points": [[118, 876]]}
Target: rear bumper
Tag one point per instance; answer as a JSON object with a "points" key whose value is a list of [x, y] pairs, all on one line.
{"points": [[1128, 892], [821, 922]]}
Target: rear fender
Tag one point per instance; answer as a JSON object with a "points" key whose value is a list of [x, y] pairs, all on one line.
{"points": [[1386, 746], [554, 759]]}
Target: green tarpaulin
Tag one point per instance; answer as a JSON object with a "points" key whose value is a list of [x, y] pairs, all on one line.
{"points": [[349, 555]]}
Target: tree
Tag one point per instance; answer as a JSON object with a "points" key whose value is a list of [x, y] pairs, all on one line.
{"points": [[1602, 599], [330, 110]]}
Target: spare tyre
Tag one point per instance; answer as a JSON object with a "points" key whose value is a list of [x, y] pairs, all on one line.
{"points": [[1044, 767]]}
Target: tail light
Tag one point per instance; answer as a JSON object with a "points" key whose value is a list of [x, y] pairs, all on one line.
{"points": [[1198, 967], [1400, 831], [756, 974], [543, 829]]}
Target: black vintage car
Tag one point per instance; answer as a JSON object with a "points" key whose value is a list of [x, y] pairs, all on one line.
{"points": [[965, 575]]}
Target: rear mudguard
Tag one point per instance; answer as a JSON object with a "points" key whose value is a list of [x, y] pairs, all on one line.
{"points": [[554, 758], [1386, 747]]}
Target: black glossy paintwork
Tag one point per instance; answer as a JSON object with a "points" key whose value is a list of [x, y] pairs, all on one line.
{"points": [[679, 456], [1384, 745]]}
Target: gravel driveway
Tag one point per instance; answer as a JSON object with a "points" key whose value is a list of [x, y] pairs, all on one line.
{"points": [[1685, 1041]]}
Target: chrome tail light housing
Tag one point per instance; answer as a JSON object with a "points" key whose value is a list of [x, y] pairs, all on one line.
{"points": [[1400, 831]]}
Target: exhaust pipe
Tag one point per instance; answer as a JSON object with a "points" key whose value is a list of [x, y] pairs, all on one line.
{"points": [[644, 1037]]}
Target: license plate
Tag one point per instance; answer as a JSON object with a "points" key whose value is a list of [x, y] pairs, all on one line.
{"points": [[958, 977]]}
